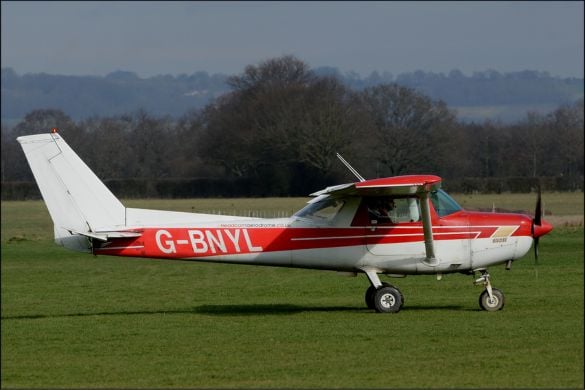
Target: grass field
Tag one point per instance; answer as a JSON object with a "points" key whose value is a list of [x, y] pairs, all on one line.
{"points": [[76, 321]]}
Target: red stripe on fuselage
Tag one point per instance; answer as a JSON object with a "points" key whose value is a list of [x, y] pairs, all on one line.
{"points": [[217, 241]]}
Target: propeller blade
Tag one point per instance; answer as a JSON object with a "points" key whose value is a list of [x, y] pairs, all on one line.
{"points": [[537, 220], [536, 257], [536, 250], [538, 212]]}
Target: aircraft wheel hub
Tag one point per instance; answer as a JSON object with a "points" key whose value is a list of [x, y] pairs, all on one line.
{"points": [[388, 300], [493, 303]]}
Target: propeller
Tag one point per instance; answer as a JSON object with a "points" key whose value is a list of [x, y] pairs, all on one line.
{"points": [[539, 227], [537, 221]]}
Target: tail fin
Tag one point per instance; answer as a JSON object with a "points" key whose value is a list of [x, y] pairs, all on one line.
{"points": [[77, 200]]}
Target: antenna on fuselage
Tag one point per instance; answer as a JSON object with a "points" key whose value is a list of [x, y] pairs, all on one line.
{"points": [[351, 169]]}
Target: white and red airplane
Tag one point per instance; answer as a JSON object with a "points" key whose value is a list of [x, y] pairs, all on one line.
{"points": [[397, 226]]}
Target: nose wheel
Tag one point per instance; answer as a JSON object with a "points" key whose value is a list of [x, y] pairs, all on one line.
{"points": [[493, 303], [491, 299]]}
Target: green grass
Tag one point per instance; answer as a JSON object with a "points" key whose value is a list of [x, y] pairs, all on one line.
{"points": [[554, 203], [76, 321]]}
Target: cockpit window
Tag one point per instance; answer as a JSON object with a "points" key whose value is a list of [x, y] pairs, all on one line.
{"points": [[443, 203], [389, 210], [323, 211]]}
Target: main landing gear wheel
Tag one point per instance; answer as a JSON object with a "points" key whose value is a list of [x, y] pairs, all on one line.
{"points": [[491, 304], [371, 291], [387, 300]]}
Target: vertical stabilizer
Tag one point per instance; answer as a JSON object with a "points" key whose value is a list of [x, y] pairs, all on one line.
{"points": [[77, 200]]}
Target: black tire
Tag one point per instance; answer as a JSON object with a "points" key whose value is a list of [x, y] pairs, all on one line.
{"points": [[387, 300], [369, 298], [488, 305]]}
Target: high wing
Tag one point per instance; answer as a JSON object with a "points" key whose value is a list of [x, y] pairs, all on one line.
{"points": [[397, 185], [419, 185]]}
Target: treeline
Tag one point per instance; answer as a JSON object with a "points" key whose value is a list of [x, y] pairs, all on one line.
{"points": [[122, 91], [277, 131], [484, 88], [118, 92]]}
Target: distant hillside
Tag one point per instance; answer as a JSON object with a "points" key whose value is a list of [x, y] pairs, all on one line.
{"points": [[483, 95], [117, 93]]}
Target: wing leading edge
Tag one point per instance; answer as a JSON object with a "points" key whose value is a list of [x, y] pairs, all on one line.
{"points": [[397, 185]]}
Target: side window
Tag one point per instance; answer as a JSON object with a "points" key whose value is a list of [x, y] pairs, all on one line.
{"points": [[413, 209], [388, 210], [380, 210], [406, 210]]}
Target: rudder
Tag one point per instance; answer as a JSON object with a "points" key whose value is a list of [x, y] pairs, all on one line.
{"points": [[76, 198]]}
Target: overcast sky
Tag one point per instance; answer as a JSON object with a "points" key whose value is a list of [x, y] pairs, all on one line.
{"points": [[149, 38]]}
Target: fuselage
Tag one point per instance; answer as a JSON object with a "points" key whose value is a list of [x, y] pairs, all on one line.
{"points": [[348, 241]]}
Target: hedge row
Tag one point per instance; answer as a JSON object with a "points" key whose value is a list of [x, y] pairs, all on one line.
{"points": [[487, 185], [208, 188], [144, 188]]}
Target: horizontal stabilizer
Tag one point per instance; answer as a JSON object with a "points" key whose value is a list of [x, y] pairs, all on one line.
{"points": [[104, 236]]}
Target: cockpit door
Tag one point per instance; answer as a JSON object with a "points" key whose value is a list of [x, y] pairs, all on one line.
{"points": [[394, 229], [393, 226]]}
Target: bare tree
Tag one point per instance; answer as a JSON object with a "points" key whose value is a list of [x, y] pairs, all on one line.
{"points": [[38, 121], [404, 124], [566, 146], [110, 155], [527, 148], [277, 72]]}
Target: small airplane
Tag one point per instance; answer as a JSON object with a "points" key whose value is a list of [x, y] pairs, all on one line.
{"points": [[396, 226]]}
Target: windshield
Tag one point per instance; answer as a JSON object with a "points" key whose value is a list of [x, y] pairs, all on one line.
{"points": [[324, 210], [443, 203]]}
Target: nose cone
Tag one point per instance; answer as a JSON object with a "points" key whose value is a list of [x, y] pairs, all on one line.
{"points": [[542, 229]]}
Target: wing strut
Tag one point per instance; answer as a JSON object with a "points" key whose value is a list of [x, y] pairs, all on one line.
{"points": [[431, 260], [352, 169]]}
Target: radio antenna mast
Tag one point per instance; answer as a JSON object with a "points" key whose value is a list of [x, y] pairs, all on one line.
{"points": [[351, 169]]}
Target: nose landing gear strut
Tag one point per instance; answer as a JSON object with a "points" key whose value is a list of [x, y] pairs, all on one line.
{"points": [[491, 299]]}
